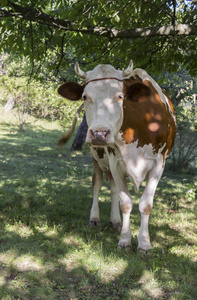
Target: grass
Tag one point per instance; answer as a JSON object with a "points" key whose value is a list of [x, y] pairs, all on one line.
{"points": [[48, 251]]}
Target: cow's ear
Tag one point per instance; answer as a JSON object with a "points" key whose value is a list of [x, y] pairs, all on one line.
{"points": [[136, 92], [71, 90]]}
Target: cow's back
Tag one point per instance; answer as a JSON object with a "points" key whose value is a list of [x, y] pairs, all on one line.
{"points": [[147, 119]]}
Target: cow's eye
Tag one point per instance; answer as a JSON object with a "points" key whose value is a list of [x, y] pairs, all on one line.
{"points": [[84, 97], [120, 97]]}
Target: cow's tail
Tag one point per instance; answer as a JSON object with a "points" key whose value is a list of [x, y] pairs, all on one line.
{"points": [[67, 134]]}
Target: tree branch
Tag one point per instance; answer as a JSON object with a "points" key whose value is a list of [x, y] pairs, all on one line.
{"points": [[31, 14], [174, 12], [62, 54]]}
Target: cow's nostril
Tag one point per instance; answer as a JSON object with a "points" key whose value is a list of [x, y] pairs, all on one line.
{"points": [[107, 132]]}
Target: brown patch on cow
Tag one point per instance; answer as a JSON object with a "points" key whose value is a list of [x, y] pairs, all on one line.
{"points": [[143, 98], [148, 116], [147, 209], [100, 152], [128, 135], [125, 208], [111, 150], [132, 80], [158, 117], [137, 92], [148, 121]]}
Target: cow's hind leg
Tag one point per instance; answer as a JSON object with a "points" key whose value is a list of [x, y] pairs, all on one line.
{"points": [[146, 204], [115, 218], [96, 182]]}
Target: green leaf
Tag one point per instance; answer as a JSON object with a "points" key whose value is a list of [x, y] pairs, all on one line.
{"points": [[117, 18]]}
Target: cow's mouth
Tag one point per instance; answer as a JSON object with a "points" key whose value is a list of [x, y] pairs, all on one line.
{"points": [[98, 142]]}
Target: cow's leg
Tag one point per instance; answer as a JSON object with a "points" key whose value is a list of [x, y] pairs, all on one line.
{"points": [[115, 218], [146, 204], [126, 205], [96, 182], [126, 202]]}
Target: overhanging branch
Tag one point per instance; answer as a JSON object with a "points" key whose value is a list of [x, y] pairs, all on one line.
{"points": [[34, 15], [179, 29]]}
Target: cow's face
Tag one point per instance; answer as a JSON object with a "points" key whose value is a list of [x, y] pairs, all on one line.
{"points": [[103, 99]]}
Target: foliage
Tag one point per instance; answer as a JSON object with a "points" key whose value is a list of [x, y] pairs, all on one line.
{"points": [[36, 97], [182, 89], [47, 250], [59, 33]]}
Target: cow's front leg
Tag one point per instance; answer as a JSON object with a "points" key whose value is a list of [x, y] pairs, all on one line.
{"points": [[96, 182], [115, 218], [126, 205], [146, 204]]}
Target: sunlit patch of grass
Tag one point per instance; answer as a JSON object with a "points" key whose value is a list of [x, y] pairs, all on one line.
{"points": [[150, 285], [185, 250], [91, 257]]}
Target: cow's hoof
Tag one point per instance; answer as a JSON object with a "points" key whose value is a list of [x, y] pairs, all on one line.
{"points": [[94, 223], [144, 251], [124, 248], [117, 227]]}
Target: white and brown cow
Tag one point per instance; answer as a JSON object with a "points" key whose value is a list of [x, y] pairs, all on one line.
{"points": [[131, 131]]}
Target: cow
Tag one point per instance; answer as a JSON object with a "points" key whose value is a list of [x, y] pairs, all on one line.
{"points": [[131, 131]]}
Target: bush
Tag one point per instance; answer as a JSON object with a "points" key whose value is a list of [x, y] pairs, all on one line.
{"points": [[31, 96], [182, 90]]}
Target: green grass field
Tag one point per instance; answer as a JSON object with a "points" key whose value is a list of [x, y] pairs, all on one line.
{"points": [[48, 251]]}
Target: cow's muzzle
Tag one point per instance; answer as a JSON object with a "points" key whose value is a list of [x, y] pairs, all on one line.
{"points": [[99, 136]]}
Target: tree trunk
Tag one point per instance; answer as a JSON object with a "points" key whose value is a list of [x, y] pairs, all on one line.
{"points": [[80, 136]]}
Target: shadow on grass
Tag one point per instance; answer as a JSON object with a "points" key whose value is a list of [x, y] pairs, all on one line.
{"points": [[47, 250], [154, 276]]}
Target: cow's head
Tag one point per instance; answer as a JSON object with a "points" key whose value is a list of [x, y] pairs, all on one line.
{"points": [[103, 93]]}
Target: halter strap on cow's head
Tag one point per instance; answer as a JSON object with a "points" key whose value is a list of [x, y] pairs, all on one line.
{"points": [[105, 78]]}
